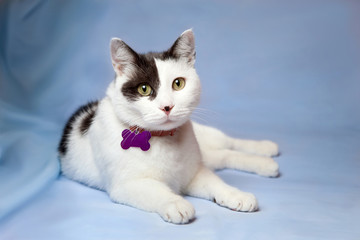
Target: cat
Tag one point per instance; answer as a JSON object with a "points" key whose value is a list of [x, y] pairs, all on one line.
{"points": [[155, 93]]}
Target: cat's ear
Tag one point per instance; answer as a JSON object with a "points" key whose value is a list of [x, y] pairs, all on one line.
{"points": [[184, 47], [122, 57]]}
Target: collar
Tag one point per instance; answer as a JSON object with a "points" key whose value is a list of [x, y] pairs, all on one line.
{"points": [[153, 133]]}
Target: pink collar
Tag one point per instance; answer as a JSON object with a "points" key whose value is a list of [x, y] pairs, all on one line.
{"points": [[154, 133]]}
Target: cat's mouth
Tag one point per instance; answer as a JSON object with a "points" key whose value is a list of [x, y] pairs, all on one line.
{"points": [[163, 121], [166, 123]]}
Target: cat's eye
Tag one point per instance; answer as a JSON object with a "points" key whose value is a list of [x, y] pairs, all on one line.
{"points": [[144, 89], [178, 84]]}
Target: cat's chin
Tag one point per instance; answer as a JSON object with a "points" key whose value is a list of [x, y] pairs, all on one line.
{"points": [[167, 125]]}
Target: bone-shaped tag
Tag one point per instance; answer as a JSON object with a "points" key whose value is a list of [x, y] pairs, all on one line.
{"points": [[131, 139]]}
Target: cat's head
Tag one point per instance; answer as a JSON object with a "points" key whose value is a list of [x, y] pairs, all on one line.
{"points": [[155, 91]]}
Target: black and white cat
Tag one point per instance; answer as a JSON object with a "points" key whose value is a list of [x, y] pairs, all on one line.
{"points": [[156, 93]]}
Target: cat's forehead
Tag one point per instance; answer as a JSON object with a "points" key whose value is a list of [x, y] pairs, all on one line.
{"points": [[169, 70]]}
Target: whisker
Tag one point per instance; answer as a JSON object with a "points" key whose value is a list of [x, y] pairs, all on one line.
{"points": [[201, 119]]}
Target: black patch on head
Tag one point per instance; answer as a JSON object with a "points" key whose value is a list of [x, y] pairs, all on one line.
{"points": [[87, 112], [166, 55], [145, 71]]}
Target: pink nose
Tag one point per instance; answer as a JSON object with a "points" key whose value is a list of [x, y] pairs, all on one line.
{"points": [[167, 109]]}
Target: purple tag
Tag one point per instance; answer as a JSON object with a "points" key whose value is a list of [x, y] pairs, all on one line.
{"points": [[131, 139]]}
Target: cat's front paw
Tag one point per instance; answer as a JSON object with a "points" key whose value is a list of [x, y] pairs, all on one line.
{"points": [[238, 201], [179, 212], [266, 148]]}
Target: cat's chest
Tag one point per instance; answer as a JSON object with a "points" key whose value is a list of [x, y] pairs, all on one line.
{"points": [[172, 159], [165, 150]]}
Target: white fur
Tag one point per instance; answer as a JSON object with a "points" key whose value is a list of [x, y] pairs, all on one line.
{"points": [[154, 180]]}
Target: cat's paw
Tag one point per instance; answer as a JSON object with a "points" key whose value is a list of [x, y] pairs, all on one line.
{"points": [[266, 148], [237, 201], [179, 212], [267, 167]]}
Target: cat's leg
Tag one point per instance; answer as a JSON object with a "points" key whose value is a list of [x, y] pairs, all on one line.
{"points": [[209, 186], [220, 151], [213, 138], [153, 196], [225, 158]]}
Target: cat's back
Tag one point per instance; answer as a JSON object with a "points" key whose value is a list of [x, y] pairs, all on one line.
{"points": [[75, 154], [77, 125]]}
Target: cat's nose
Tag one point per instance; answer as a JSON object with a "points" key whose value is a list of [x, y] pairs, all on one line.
{"points": [[167, 109]]}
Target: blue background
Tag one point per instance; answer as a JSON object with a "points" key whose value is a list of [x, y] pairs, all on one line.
{"points": [[288, 71]]}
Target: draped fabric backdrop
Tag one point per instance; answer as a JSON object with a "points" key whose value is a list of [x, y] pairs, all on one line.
{"points": [[288, 71]]}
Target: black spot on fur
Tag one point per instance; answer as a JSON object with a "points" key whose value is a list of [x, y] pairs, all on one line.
{"points": [[87, 121], [162, 55], [145, 72], [89, 111]]}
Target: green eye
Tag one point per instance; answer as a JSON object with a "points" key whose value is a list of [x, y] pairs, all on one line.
{"points": [[144, 89], [178, 84]]}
